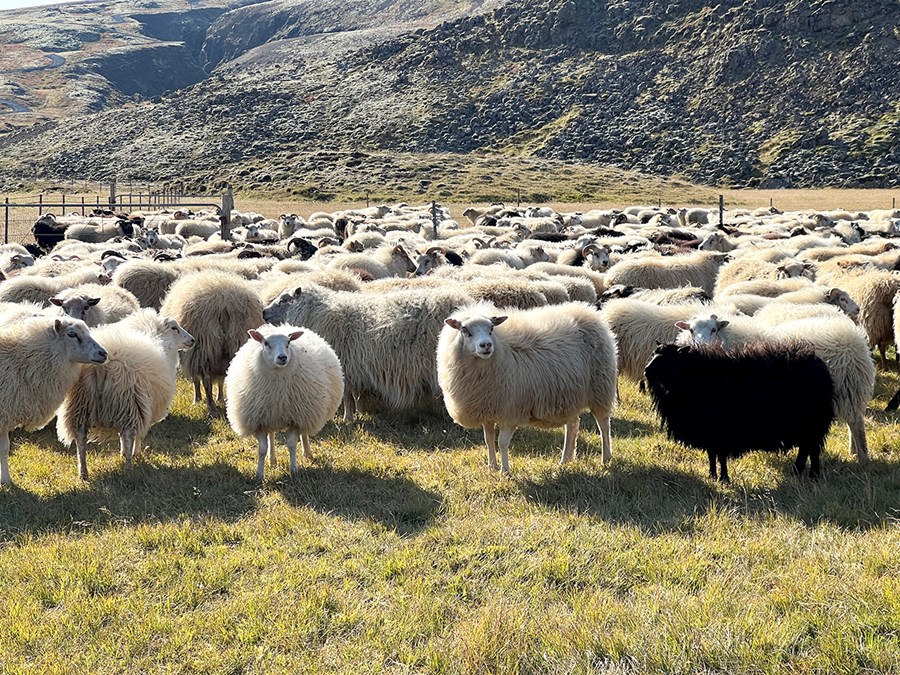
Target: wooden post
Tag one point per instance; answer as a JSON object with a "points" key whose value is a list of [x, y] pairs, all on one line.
{"points": [[659, 202], [225, 218], [6, 220], [721, 210], [518, 197], [770, 202], [367, 199], [41, 204], [434, 220], [112, 193], [82, 206], [64, 203]]}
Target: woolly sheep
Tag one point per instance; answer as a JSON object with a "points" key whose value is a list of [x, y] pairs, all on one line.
{"points": [[638, 326], [40, 289], [95, 304], [284, 378], [131, 391], [540, 367], [874, 295], [40, 360], [749, 269], [696, 269], [769, 288], [218, 310], [149, 281], [385, 342], [756, 397]]}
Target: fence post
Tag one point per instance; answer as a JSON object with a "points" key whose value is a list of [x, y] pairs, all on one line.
{"points": [[112, 192], [721, 210], [659, 202], [518, 197], [227, 206], [64, 203], [434, 220], [770, 202], [6, 220], [41, 204], [367, 199], [893, 202], [82, 206]]}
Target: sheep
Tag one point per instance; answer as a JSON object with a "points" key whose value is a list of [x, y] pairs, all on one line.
{"points": [[540, 367], [196, 228], [48, 232], [874, 295], [597, 280], [385, 342], [592, 257], [40, 360], [149, 281], [638, 326], [749, 268], [695, 269], [769, 288], [218, 310], [93, 232], [131, 391], [756, 397], [284, 378], [95, 304], [14, 257], [40, 289], [387, 261], [693, 217], [844, 348], [716, 241]]}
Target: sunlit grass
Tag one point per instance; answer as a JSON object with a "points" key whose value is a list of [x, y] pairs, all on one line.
{"points": [[397, 550]]}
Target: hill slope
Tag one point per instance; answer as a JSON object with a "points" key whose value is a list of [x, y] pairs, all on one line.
{"points": [[746, 93]]}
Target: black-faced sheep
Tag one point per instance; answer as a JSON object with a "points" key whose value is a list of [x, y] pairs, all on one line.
{"points": [[757, 397], [540, 367]]}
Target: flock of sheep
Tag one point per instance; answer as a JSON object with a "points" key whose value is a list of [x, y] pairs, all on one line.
{"points": [[512, 317]]}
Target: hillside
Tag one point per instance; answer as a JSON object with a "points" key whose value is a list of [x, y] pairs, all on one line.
{"points": [[741, 93]]}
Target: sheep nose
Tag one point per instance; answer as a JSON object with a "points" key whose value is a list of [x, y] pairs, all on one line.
{"points": [[282, 358], [485, 346]]}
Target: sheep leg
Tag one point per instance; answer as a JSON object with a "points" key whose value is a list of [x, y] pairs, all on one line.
{"points": [[490, 440], [603, 426], [291, 441], [220, 385], [800, 464], [126, 446], [263, 439], [814, 465], [138, 444], [198, 397], [723, 465], [570, 441], [307, 452], [858, 444], [272, 460], [713, 473], [506, 434], [349, 405], [81, 453], [208, 390], [882, 349], [5, 478]]}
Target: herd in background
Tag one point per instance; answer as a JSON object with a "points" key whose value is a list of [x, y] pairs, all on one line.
{"points": [[751, 334]]}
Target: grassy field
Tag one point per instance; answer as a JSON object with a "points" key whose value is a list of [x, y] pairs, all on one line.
{"points": [[397, 551]]}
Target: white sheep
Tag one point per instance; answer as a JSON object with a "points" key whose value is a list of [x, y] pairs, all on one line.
{"points": [[540, 367], [217, 309], [284, 378], [131, 391], [696, 269], [40, 360], [95, 304]]}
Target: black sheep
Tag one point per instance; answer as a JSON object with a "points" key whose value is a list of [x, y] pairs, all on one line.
{"points": [[47, 232], [758, 397]]}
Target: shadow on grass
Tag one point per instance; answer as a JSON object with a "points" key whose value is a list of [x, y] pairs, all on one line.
{"points": [[656, 499], [144, 494], [395, 502]]}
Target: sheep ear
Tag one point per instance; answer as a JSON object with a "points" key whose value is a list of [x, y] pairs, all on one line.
{"points": [[398, 249], [832, 292], [298, 292], [683, 325], [56, 301], [92, 301], [722, 324], [58, 326], [453, 323], [256, 335], [293, 336], [497, 320]]}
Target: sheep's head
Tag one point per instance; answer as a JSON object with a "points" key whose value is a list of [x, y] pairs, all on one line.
{"points": [[75, 306], [172, 331], [153, 237], [841, 298], [276, 346], [477, 333], [277, 309], [426, 262], [702, 329], [401, 255], [596, 257], [79, 345]]}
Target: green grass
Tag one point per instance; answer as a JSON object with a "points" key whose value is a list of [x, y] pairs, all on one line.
{"points": [[397, 551]]}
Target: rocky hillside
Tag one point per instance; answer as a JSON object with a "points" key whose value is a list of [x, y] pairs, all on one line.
{"points": [[741, 92]]}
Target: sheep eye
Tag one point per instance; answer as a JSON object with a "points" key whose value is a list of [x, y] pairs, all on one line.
{"points": [[466, 332]]}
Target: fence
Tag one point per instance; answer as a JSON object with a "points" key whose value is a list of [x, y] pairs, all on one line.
{"points": [[20, 214]]}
